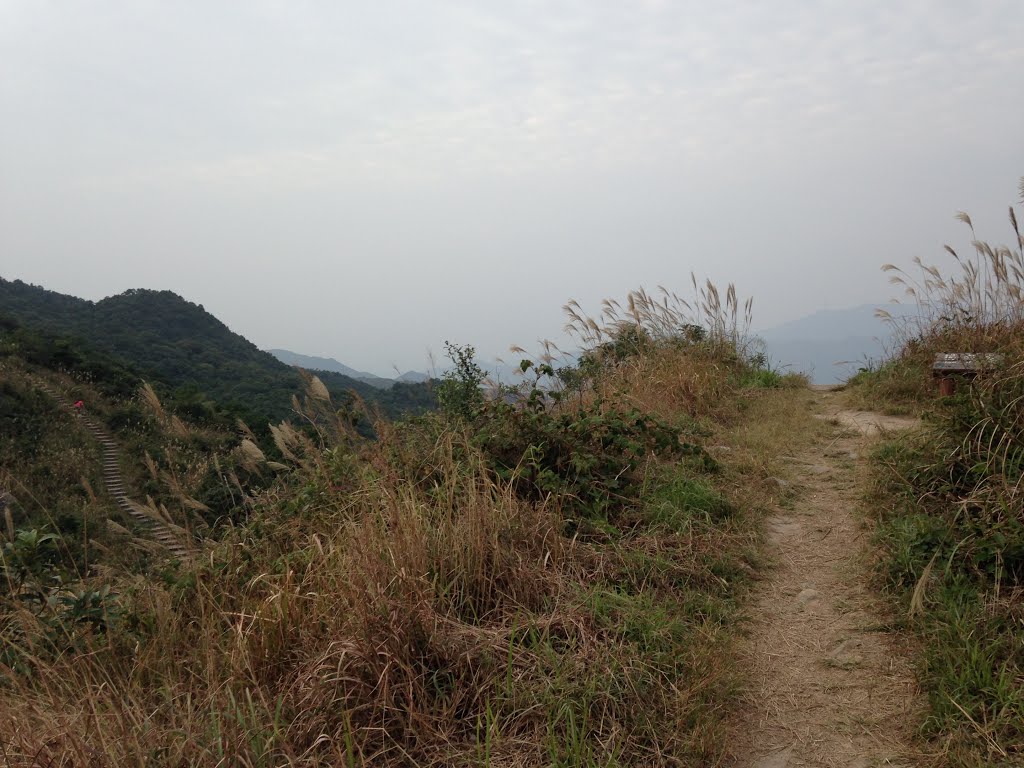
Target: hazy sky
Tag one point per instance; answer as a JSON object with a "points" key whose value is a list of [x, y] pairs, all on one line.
{"points": [[365, 180]]}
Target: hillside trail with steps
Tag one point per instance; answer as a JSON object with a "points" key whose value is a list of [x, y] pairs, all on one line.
{"points": [[828, 686], [145, 518]]}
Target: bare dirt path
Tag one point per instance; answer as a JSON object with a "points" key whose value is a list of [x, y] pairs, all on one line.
{"points": [[828, 687]]}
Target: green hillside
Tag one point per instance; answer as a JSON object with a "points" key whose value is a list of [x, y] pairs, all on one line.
{"points": [[180, 344], [48, 459]]}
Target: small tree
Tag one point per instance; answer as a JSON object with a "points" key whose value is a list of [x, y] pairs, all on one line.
{"points": [[460, 393]]}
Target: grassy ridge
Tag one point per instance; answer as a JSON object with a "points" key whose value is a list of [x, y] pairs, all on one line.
{"points": [[545, 578], [951, 509]]}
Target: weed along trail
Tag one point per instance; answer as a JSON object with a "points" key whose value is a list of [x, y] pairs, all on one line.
{"points": [[826, 685]]}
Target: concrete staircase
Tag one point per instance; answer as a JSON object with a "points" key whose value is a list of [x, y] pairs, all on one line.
{"points": [[146, 519]]}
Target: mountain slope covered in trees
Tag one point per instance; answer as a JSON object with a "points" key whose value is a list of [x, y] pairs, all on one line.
{"points": [[183, 346]]}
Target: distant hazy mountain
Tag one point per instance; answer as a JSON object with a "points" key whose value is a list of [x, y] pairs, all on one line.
{"points": [[496, 370], [413, 377], [831, 344], [313, 363]]}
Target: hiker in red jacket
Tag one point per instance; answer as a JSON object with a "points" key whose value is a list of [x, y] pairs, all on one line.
{"points": [[79, 405]]}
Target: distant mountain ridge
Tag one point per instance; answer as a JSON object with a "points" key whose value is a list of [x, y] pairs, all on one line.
{"points": [[312, 362], [831, 344], [315, 363], [495, 369]]}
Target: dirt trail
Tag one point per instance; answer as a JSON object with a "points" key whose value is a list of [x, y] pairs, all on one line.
{"points": [[827, 686]]}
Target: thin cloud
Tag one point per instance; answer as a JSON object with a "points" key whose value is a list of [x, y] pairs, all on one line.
{"points": [[598, 144]]}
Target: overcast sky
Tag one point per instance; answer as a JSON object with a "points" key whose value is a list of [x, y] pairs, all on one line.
{"points": [[365, 180]]}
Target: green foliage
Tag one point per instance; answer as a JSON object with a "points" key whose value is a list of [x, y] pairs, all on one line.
{"points": [[29, 558], [755, 372], [399, 400], [761, 378], [37, 580], [965, 472], [24, 418], [173, 342], [682, 499], [898, 386], [591, 457], [94, 608], [954, 542], [460, 392], [419, 598], [972, 668], [626, 341], [43, 457]]}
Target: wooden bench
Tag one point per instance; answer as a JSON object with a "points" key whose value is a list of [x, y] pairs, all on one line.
{"points": [[948, 367]]}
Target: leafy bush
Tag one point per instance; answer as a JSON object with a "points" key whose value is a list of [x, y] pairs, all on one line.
{"points": [[460, 392], [589, 456], [44, 611]]}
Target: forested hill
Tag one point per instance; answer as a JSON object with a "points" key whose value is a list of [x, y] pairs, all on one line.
{"points": [[184, 346]]}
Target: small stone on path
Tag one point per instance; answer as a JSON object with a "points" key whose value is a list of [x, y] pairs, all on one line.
{"points": [[808, 598]]}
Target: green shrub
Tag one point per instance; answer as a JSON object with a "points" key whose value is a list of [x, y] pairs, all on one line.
{"points": [[591, 457], [460, 392]]}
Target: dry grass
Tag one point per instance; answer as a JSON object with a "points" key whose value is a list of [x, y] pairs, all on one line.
{"points": [[359, 629], [675, 382], [392, 603], [777, 423], [977, 307], [384, 626], [949, 499], [666, 316]]}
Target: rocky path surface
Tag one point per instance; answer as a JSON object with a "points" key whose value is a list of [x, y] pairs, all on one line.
{"points": [[828, 687], [147, 520]]}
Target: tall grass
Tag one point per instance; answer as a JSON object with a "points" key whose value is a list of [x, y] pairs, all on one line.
{"points": [[666, 316], [979, 303], [951, 508], [976, 305]]}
